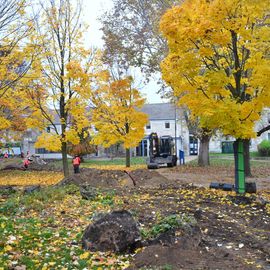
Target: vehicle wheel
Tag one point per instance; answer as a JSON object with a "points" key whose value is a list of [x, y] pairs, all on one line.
{"points": [[169, 164]]}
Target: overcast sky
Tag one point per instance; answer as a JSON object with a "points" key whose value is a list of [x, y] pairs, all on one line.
{"points": [[92, 10]]}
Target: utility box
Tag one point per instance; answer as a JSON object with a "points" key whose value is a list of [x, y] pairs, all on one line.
{"points": [[227, 147]]}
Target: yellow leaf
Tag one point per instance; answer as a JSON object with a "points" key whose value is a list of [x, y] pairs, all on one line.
{"points": [[8, 248], [85, 255]]}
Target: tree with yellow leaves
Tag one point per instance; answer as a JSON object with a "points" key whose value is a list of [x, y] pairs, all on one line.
{"points": [[116, 115], [16, 55], [59, 92], [218, 62]]}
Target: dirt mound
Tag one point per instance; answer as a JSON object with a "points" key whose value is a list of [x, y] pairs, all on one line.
{"points": [[228, 238], [141, 178], [148, 178], [43, 167], [182, 249], [99, 178], [176, 258], [35, 165], [12, 167]]}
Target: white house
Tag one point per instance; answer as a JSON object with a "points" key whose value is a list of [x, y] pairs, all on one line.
{"points": [[220, 143], [30, 137], [164, 119]]}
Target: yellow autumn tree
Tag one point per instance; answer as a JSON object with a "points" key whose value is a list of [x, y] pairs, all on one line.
{"points": [[218, 62], [16, 55], [116, 115], [59, 92]]}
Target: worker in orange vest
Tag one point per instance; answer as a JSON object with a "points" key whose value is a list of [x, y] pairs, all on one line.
{"points": [[76, 164], [26, 163]]}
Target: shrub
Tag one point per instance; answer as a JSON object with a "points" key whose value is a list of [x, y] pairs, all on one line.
{"points": [[264, 148], [170, 222]]}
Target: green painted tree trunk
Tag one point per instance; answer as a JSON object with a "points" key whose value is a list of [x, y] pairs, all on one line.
{"points": [[240, 185]]}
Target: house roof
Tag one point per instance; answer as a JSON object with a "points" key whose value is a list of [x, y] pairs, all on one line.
{"points": [[159, 111]]}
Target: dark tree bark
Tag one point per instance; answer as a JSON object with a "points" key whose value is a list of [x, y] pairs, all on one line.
{"points": [[64, 159], [128, 157], [203, 159]]}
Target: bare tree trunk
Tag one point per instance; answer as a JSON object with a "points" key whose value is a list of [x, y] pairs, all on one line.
{"points": [[247, 157], [128, 157], [203, 159], [64, 159]]}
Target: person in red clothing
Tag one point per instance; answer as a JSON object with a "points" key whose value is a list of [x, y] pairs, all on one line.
{"points": [[6, 155], [26, 163], [76, 164]]}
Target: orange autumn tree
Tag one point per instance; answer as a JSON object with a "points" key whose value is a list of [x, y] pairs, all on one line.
{"points": [[218, 62], [116, 115]]}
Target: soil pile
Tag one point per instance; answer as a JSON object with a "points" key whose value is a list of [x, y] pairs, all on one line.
{"points": [[148, 178], [234, 234], [140, 178], [36, 164], [12, 166], [43, 167], [99, 178]]}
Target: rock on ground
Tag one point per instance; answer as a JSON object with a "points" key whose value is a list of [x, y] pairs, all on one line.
{"points": [[31, 189]]}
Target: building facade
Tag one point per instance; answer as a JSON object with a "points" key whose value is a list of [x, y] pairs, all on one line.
{"points": [[164, 119]]}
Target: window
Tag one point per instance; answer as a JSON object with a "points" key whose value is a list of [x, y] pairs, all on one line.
{"points": [[48, 129], [148, 126], [43, 151], [167, 124]]}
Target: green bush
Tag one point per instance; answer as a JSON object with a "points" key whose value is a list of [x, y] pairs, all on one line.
{"points": [[170, 222], [264, 148]]}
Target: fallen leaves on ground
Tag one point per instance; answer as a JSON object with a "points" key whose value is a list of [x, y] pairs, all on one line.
{"points": [[43, 230], [115, 167], [26, 178]]}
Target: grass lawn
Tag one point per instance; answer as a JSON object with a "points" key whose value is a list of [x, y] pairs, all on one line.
{"points": [[227, 160], [106, 163], [221, 155], [116, 161]]}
